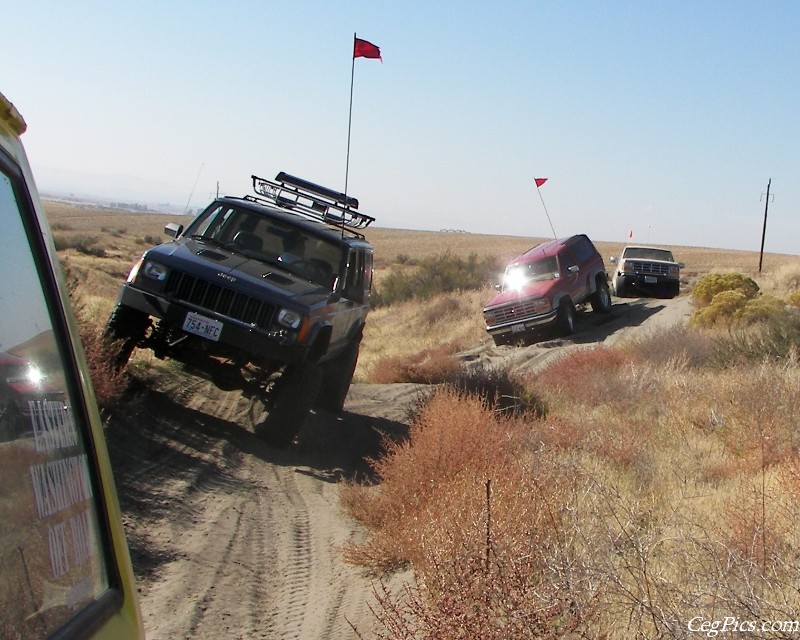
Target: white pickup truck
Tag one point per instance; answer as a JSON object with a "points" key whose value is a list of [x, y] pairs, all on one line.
{"points": [[647, 271]]}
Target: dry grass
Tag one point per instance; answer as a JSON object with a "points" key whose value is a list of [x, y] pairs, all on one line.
{"points": [[653, 491], [390, 243], [401, 337]]}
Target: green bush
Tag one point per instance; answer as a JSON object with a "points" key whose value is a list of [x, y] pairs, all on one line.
{"points": [[710, 285], [761, 308], [724, 307], [442, 273], [793, 299]]}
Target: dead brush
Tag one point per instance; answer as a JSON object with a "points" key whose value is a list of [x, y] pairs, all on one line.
{"points": [[454, 437], [481, 524], [428, 366], [108, 383], [501, 389], [676, 343], [587, 376]]}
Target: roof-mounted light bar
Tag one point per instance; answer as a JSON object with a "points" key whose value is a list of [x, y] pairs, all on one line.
{"points": [[312, 200]]}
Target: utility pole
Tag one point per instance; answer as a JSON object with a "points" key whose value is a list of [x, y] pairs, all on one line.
{"points": [[764, 230]]}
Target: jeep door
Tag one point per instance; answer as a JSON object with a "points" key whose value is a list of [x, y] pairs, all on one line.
{"points": [[354, 302]]}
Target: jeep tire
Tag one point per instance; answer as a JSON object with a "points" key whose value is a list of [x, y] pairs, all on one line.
{"points": [[338, 374], [127, 327], [295, 393]]}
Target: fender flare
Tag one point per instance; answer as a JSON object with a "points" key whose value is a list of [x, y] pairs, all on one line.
{"points": [[319, 341]]}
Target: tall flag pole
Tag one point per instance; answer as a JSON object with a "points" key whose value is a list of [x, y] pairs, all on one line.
{"points": [[361, 49], [539, 182]]}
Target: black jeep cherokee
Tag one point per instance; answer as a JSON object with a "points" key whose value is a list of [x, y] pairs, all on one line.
{"points": [[268, 294]]}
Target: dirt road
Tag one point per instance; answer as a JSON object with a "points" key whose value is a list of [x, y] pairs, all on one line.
{"points": [[233, 539]]}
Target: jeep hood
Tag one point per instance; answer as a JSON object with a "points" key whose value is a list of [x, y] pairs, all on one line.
{"points": [[237, 271]]}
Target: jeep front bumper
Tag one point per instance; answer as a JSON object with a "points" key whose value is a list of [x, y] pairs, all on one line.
{"points": [[256, 343]]}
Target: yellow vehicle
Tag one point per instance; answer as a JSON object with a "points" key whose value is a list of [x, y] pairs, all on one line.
{"points": [[65, 569]]}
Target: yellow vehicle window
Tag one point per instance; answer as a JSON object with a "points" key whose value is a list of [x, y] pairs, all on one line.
{"points": [[52, 558]]}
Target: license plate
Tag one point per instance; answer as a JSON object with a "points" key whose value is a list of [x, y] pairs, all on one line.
{"points": [[517, 328], [202, 326], [650, 279]]}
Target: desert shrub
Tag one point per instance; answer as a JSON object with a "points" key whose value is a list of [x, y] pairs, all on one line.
{"points": [[109, 384], [453, 437], [81, 243], [433, 365], [785, 279], [670, 344], [710, 285], [733, 306], [762, 308], [793, 299], [148, 239], [776, 339], [588, 376], [461, 503], [724, 307], [441, 273]]}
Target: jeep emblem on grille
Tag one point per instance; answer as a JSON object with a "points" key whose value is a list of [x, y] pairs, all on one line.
{"points": [[228, 277]]}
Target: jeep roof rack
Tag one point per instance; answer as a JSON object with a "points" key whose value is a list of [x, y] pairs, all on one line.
{"points": [[311, 200]]}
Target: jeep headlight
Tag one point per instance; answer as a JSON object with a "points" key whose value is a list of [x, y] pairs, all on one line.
{"points": [[154, 270], [135, 270], [290, 319]]}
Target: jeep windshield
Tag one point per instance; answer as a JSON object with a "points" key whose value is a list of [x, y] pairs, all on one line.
{"points": [[518, 275], [269, 240]]}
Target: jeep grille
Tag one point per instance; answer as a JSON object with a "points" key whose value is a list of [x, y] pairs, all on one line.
{"points": [[219, 299], [655, 268], [518, 310]]}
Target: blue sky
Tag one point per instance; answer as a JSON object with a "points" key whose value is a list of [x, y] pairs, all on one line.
{"points": [[665, 119]]}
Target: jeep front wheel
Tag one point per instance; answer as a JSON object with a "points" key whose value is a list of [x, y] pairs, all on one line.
{"points": [[127, 327], [295, 392], [338, 376]]}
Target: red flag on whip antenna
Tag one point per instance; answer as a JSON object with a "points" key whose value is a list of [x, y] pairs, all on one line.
{"points": [[364, 49], [540, 181]]}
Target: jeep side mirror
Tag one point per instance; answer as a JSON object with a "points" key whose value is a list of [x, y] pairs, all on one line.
{"points": [[173, 230], [612, 260], [498, 287], [681, 265], [574, 268]]}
